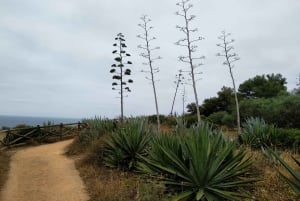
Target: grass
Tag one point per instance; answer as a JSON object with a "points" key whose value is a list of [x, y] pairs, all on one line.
{"points": [[2, 135], [271, 186], [105, 184]]}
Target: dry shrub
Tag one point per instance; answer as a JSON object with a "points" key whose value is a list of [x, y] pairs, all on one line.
{"points": [[106, 184], [271, 186]]}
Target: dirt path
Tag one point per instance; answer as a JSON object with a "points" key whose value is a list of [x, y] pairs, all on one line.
{"points": [[43, 173]]}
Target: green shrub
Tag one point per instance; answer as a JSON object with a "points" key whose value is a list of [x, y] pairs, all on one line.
{"points": [[192, 120], [153, 118], [281, 111], [289, 138], [257, 133], [97, 127], [125, 146], [170, 121], [200, 165], [222, 118]]}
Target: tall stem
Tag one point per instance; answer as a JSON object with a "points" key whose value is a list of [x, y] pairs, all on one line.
{"points": [[150, 61], [191, 64], [238, 121], [177, 85], [121, 80]]}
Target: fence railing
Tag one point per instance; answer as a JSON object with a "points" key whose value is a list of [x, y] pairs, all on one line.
{"points": [[39, 134]]}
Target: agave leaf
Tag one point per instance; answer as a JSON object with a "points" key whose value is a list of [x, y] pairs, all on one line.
{"points": [[287, 167], [298, 162], [199, 194], [292, 183], [230, 195], [183, 196]]}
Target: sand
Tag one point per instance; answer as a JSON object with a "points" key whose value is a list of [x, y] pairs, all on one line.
{"points": [[43, 173]]}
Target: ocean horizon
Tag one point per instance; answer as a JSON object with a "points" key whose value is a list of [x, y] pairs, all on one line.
{"points": [[13, 121]]}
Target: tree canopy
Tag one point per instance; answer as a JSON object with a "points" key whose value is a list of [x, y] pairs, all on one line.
{"points": [[263, 86], [223, 102]]}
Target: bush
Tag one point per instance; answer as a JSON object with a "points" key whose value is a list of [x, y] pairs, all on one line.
{"points": [[222, 118], [289, 138], [97, 127], [153, 119], [192, 120], [170, 121], [281, 111], [256, 133], [200, 165]]}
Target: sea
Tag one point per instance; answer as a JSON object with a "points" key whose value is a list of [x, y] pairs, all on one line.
{"points": [[13, 121]]}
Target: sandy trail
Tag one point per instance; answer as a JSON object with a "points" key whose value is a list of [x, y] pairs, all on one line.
{"points": [[43, 173]]}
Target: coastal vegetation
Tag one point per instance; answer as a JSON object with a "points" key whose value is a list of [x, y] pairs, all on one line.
{"points": [[181, 163]]}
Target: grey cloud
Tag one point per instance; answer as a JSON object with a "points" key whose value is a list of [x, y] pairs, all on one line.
{"points": [[55, 55]]}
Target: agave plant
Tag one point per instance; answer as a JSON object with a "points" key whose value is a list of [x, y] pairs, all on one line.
{"points": [[124, 147], [201, 165], [293, 181], [258, 133]]}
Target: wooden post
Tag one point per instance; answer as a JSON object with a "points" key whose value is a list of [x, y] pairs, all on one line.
{"points": [[61, 130], [7, 136], [79, 126], [39, 134]]}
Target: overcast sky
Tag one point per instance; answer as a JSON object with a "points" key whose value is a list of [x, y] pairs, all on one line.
{"points": [[55, 55]]}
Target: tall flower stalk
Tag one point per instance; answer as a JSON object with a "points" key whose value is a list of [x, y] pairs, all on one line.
{"points": [[147, 54]]}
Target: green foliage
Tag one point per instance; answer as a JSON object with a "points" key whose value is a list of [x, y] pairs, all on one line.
{"points": [[167, 120], [191, 120], [257, 133], [222, 118], [223, 102], [125, 146], [289, 138], [200, 165], [262, 86], [281, 111], [192, 108], [153, 118], [97, 127], [294, 179]]}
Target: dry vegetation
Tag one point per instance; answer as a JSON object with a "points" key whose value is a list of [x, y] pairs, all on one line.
{"points": [[105, 184], [271, 186]]}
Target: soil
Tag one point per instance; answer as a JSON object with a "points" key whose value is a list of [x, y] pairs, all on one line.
{"points": [[43, 173]]}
